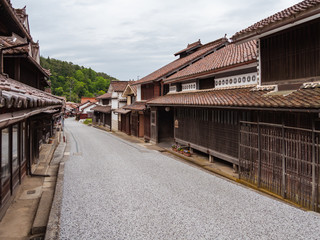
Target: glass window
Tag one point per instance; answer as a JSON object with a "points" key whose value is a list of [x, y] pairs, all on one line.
{"points": [[23, 146], [15, 163], [5, 171]]}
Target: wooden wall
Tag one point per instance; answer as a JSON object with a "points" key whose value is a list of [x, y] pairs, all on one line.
{"points": [[147, 91], [135, 124], [291, 54], [209, 128], [147, 130]]}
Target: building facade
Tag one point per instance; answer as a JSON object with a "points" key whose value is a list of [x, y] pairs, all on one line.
{"points": [[27, 112]]}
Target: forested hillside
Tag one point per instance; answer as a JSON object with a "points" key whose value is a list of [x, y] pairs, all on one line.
{"points": [[74, 81]]}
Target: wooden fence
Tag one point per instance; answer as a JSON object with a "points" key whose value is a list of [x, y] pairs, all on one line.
{"points": [[282, 159]]}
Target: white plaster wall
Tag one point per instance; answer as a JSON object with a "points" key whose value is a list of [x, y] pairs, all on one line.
{"points": [[114, 103], [114, 94], [139, 92], [122, 104], [114, 118]]}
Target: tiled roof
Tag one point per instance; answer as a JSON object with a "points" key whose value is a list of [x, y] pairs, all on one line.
{"points": [[21, 13], [244, 97], [279, 19], [88, 99], [138, 106], [189, 47], [228, 56], [14, 94], [119, 86], [105, 96], [90, 105], [7, 7], [103, 109], [122, 110], [8, 43], [178, 63]]}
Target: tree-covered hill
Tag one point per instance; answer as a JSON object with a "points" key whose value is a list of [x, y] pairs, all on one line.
{"points": [[74, 81]]}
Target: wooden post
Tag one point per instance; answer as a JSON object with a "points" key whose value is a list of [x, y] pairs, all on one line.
{"points": [[19, 148], [1, 164], [211, 158], [314, 185], [259, 151], [239, 143], [10, 158], [1, 61], [283, 187], [17, 72]]}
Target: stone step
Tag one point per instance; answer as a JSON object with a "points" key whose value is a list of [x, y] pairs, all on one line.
{"points": [[41, 219]]}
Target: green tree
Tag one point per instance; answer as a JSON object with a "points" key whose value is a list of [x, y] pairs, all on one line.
{"points": [[58, 91], [74, 81]]}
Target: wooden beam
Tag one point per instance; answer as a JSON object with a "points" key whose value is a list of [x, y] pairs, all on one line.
{"points": [[209, 151]]}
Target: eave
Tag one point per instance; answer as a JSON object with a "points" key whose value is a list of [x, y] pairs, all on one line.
{"points": [[277, 26], [208, 73]]}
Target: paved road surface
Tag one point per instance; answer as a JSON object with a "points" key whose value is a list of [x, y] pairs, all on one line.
{"points": [[114, 189]]}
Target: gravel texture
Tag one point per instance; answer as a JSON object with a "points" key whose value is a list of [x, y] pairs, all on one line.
{"points": [[114, 189]]}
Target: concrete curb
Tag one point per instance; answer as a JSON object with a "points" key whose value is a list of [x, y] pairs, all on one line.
{"points": [[53, 226]]}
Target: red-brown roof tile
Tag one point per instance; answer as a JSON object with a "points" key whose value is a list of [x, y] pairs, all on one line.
{"points": [[86, 99], [119, 86], [243, 97], [105, 96], [230, 55], [278, 19], [18, 95], [103, 109], [190, 46], [122, 110], [8, 45], [179, 63], [137, 106]]}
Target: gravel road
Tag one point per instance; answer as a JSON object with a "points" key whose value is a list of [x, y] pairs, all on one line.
{"points": [[114, 189]]}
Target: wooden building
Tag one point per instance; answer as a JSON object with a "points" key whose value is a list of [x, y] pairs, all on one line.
{"points": [[151, 86], [280, 147], [256, 104], [130, 93], [27, 112], [117, 101], [194, 112], [102, 111]]}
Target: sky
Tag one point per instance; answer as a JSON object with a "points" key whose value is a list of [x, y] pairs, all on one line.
{"points": [[129, 39]]}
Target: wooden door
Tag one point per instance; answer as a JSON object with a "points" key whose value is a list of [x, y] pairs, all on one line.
{"points": [[141, 125]]}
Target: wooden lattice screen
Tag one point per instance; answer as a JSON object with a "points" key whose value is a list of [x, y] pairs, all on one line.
{"points": [[282, 159]]}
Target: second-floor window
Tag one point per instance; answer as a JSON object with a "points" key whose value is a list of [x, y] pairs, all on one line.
{"points": [[147, 91]]}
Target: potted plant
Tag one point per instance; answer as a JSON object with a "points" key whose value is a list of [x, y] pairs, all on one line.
{"points": [[187, 153]]}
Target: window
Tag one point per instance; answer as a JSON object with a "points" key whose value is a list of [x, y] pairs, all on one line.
{"points": [[23, 145], [153, 118], [189, 86], [173, 88], [5, 171], [15, 163]]}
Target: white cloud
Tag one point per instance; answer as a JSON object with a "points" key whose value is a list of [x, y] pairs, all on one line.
{"points": [[130, 38]]}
